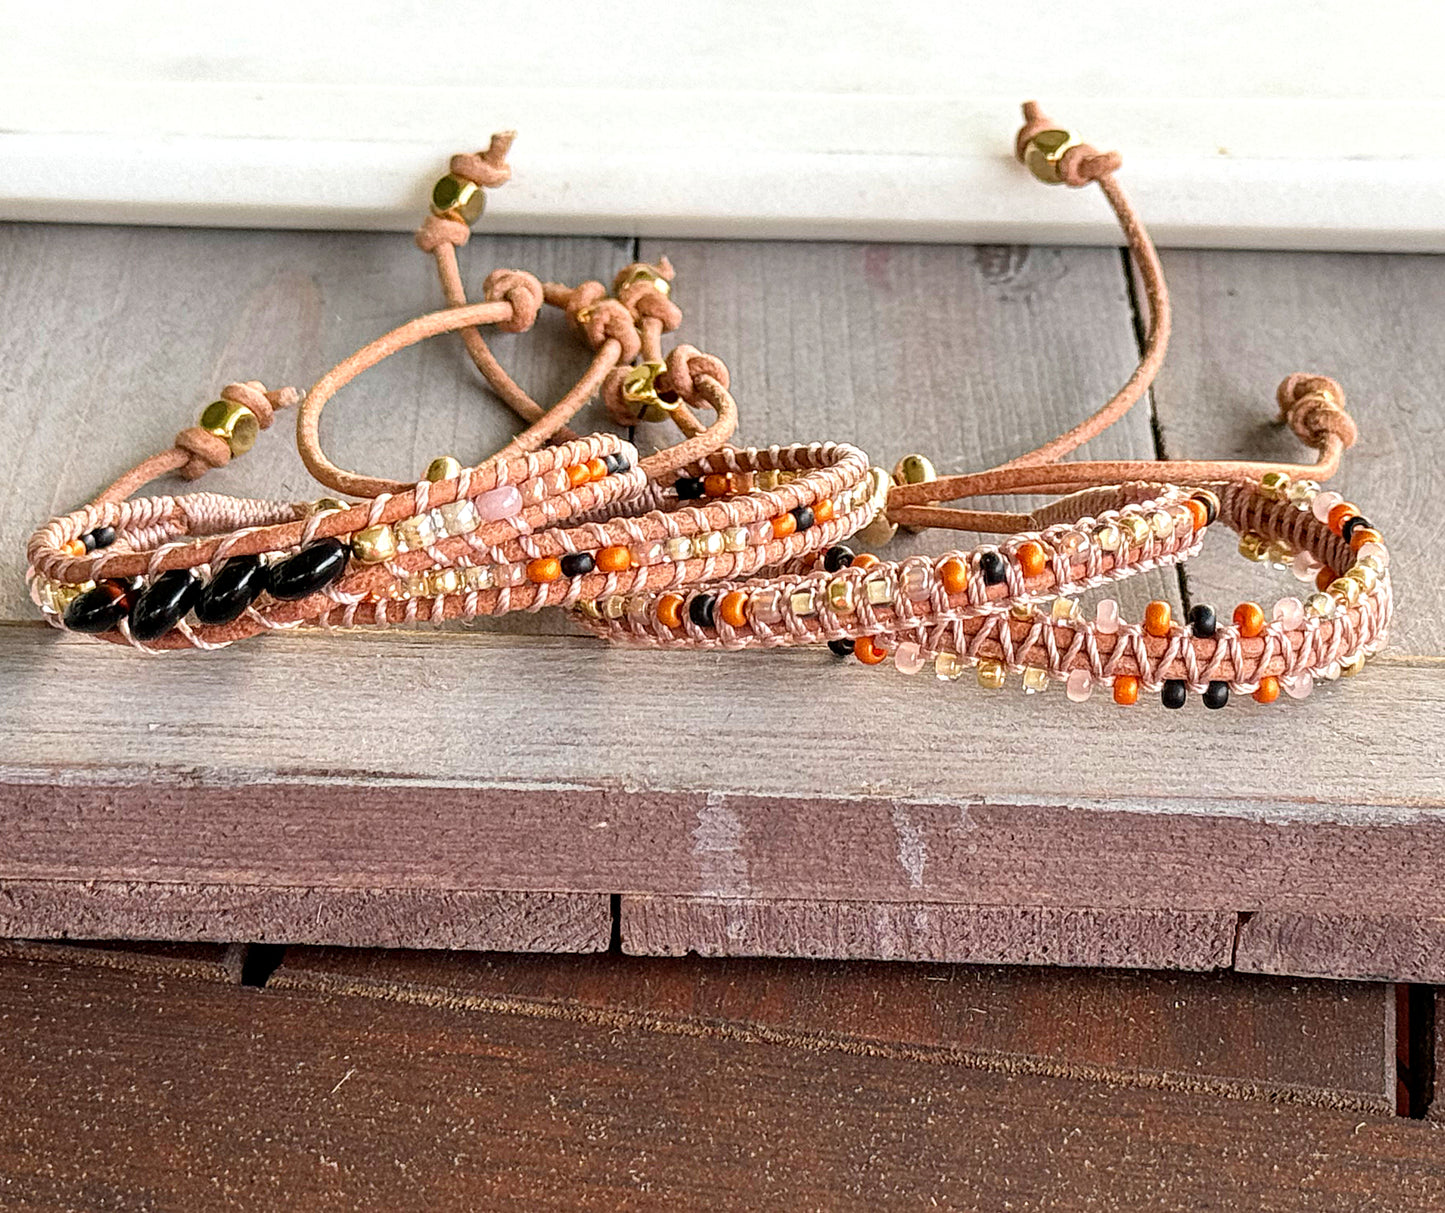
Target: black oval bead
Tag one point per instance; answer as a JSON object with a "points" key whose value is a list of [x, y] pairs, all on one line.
{"points": [[803, 516], [163, 604], [577, 564], [991, 566], [234, 587], [1216, 695], [702, 609], [689, 488], [623, 463], [610, 462], [103, 536], [839, 556], [1175, 692], [1210, 512], [313, 568], [1202, 621], [1348, 526], [88, 541], [841, 648], [100, 609]]}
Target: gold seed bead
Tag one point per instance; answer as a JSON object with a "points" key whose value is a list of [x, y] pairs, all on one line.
{"points": [[1346, 590], [614, 606], [458, 517], [478, 577], [418, 531], [1021, 611], [1108, 537], [443, 467], [1348, 669], [1064, 608], [1035, 680], [640, 273], [767, 479], [588, 607], [1135, 527], [374, 544], [709, 543], [1367, 577], [327, 505], [735, 539], [1161, 523], [841, 597], [1302, 491], [1045, 150], [454, 197], [1320, 605], [1274, 485], [802, 602], [991, 674], [948, 667], [446, 581], [1372, 563], [233, 423], [1278, 552], [679, 547], [1252, 546]]}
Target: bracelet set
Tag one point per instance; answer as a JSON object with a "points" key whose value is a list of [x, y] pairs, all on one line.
{"points": [[705, 545]]}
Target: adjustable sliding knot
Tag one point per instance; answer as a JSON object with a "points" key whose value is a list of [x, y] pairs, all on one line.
{"points": [[685, 363], [1057, 156], [458, 199], [1313, 406], [519, 288], [229, 425], [488, 169]]}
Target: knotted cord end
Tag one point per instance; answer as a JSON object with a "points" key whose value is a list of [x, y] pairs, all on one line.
{"points": [[1313, 406]]}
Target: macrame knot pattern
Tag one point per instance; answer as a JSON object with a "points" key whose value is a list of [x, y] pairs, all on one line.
{"points": [[438, 230], [1080, 164], [207, 450], [519, 288], [489, 169], [640, 296], [685, 363], [600, 319], [1314, 408]]}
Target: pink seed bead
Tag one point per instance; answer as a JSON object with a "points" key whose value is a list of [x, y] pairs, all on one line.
{"points": [[496, 504], [1078, 686], [908, 657], [1377, 550], [1106, 618], [766, 606], [1298, 686], [1323, 503], [1305, 565], [1290, 613]]}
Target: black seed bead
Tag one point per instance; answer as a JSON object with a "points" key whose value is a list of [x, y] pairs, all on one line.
{"points": [[1175, 692], [100, 609], [839, 556], [991, 566], [1216, 695], [609, 462], [88, 540], [313, 568], [803, 516], [701, 609], [841, 648], [1202, 621], [1350, 523], [1210, 512], [577, 564], [624, 464], [233, 587], [163, 604], [103, 536], [689, 488]]}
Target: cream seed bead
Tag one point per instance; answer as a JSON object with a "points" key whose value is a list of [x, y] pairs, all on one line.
{"points": [[418, 531], [991, 674], [1035, 680], [614, 606], [459, 517], [1078, 686], [947, 667], [679, 547], [1108, 537], [735, 539], [841, 596], [1321, 606], [477, 577], [908, 657], [1064, 608], [802, 602], [1323, 503], [878, 591], [1136, 529], [1073, 543], [1161, 524], [709, 543]]}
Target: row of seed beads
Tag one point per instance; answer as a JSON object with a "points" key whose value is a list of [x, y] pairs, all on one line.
{"points": [[1333, 593], [829, 600]]}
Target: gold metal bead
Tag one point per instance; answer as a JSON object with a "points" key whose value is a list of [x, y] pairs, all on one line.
{"points": [[640, 273], [1274, 485], [1348, 669], [588, 607], [374, 544], [233, 423], [991, 674], [1346, 590], [948, 667], [639, 387], [455, 197], [1252, 546], [1136, 528], [443, 467], [328, 505], [1036, 679], [1043, 152]]}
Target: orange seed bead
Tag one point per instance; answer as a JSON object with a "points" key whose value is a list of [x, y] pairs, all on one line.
{"points": [[955, 576], [823, 511], [1249, 618], [74, 547], [1032, 558], [1198, 511], [614, 559], [715, 485], [733, 609], [784, 525], [596, 469], [1323, 578], [867, 651], [544, 568], [578, 474], [1338, 514], [1126, 689], [669, 610], [864, 560], [1157, 617], [1268, 690], [1362, 535]]}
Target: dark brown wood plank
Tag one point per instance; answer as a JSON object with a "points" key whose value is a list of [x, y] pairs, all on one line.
{"points": [[213, 961], [411, 917], [168, 1094], [1343, 945], [1244, 320], [1331, 1043]]}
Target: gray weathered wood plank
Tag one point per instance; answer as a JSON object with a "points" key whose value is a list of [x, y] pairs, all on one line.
{"points": [[1244, 320]]}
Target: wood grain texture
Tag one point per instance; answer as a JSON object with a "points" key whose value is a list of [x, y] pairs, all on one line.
{"points": [[1330, 1043], [1342, 945], [356, 917], [166, 1094], [1242, 321], [1053, 935], [221, 962]]}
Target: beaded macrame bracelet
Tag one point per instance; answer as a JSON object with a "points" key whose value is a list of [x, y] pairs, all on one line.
{"points": [[983, 607]]}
